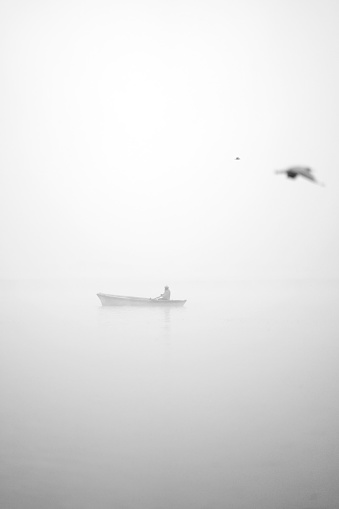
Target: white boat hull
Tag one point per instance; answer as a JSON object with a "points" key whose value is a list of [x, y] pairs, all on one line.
{"points": [[121, 300]]}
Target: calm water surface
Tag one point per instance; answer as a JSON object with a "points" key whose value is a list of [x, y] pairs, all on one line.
{"points": [[229, 402]]}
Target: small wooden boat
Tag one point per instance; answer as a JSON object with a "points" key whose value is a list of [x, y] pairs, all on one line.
{"points": [[122, 300]]}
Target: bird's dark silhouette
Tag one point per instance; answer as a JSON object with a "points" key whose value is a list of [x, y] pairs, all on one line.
{"points": [[237, 159], [303, 171]]}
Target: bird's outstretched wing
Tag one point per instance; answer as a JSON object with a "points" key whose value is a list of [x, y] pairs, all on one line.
{"points": [[303, 171]]}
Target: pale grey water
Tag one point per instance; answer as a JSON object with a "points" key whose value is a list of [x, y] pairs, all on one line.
{"points": [[230, 402]]}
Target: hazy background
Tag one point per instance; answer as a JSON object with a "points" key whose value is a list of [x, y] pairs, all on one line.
{"points": [[120, 122]]}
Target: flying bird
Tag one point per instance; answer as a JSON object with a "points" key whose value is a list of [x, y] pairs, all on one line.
{"points": [[303, 171], [237, 159]]}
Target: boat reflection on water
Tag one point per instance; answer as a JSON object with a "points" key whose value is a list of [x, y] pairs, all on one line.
{"points": [[140, 317]]}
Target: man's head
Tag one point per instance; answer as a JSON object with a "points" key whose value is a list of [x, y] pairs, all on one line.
{"points": [[166, 288]]}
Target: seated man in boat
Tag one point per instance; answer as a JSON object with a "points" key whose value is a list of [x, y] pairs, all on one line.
{"points": [[166, 295]]}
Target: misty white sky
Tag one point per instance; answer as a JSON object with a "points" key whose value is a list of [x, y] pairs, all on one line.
{"points": [[120, 122]]}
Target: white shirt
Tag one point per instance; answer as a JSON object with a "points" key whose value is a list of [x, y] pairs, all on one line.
{"points": [[166, 295]]}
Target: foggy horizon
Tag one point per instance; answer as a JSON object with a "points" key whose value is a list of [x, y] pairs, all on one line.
{"points": [[120, 127]]}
